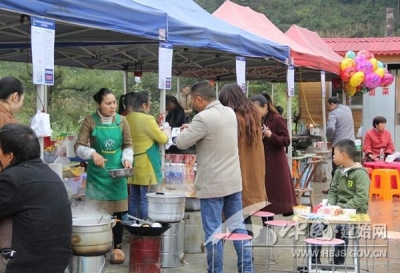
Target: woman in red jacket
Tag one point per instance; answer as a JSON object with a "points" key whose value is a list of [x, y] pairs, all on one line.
{"points": [[376, 139]]}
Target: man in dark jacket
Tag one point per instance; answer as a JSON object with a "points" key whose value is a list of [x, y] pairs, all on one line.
{"points": [[36, 200]]}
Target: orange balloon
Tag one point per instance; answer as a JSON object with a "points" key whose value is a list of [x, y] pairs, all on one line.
{"points": [[347, 63]]}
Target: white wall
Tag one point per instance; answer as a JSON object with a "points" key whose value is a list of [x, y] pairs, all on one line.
{"points": [[381, 105]]}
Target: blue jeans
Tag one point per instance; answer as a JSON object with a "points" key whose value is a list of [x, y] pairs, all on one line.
{"points": [[138, 201], [211, 215]]}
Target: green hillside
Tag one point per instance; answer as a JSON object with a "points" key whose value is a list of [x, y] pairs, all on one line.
{"points": [[330, 18]]}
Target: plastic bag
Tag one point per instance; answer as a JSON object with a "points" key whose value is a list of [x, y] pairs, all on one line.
{"points": [[40, 124]]}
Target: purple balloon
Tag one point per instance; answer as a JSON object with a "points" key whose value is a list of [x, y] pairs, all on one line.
{"points": [[372, 80], [365, 66]]}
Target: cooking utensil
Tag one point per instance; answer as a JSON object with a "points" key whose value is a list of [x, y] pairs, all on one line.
{"points": [[139, 220], [145, 231], [119, 173], [100, 219]]}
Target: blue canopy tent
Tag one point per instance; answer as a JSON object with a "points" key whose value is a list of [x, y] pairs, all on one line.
{"points": [[124, 35], [189, 24]]}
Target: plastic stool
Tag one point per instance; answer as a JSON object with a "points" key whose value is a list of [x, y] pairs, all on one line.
{"points": [[230, 237], [324, 242], [384, 188], [266, 214], [282, 224]]}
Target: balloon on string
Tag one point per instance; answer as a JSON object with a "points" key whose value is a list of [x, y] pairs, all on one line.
{"points": [[380, 71], [365, 66], [372, 80], [359, 59], [347, 63], [374, 63], [380, 64], [357, 78], [387, 80], [368, 55], [350, 54], [346, 73], [350, 90]]}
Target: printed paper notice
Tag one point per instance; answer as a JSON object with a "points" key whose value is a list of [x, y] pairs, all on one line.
{"points": [[43, 35], [241, 72], [290, 80], [165, 53]]}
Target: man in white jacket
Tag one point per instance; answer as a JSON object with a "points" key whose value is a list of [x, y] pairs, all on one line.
{"points": [[218, 180]]}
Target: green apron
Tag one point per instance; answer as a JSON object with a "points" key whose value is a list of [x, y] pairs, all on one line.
{"points": [[108, 143], [153, 153]]}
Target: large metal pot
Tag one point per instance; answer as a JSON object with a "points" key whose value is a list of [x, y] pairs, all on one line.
{"points": [[166, 207], [92, 236]]}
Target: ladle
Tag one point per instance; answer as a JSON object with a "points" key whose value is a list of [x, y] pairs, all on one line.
{"points": [[139, 220], [101, 218]]}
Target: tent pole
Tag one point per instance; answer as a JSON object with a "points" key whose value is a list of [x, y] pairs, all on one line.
{"points": [[178, 87], [323, 95], [126, 80], [290, 90], [216, 89], [247, 89], [272, 91], [41, 105], [162, 113]]}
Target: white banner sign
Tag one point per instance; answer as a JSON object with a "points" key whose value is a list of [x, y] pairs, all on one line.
{"points": [[290, 80], [165, 53], [43, 36], [241, 72]]}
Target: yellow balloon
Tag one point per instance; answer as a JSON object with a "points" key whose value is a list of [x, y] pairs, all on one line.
{"points": [[347, 63], [380, 71], [351, 91], [374, 63], [357, 78]]}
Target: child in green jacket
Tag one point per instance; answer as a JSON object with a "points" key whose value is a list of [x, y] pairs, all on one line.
{"points": [[349, 190]]}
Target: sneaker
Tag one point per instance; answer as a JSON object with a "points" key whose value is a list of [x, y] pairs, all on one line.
{"points": [[117, 256]]}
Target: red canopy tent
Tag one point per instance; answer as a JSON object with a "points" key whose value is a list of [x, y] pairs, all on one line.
{"points": [[304, 55], [312, 40]]}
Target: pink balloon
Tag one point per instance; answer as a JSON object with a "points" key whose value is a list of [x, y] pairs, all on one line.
{"points": [[359, 59], [365, 66], [387, 80], [372, 80], [368, 55]]}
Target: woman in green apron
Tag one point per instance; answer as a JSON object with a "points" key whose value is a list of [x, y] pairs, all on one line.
{"points": [[110, 147], [146, 135]]}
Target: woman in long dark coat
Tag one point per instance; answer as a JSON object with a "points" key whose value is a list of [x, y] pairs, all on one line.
{"points": [[278, 180]]}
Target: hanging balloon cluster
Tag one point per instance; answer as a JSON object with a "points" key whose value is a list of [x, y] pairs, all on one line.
{"points": [[361, 72]]}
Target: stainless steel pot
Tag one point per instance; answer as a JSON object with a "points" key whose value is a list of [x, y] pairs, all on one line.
{"points": [[119, 173], [92, 236], [166, 207]]}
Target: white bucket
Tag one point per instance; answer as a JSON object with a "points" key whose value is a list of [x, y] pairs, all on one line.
{"points": [[194, 234]]}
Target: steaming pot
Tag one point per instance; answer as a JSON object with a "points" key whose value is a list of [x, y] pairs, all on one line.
{"points": [[91, 237]]}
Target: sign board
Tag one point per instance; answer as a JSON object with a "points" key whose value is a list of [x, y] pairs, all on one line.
{"points": [[165, 53], [43, 36]]}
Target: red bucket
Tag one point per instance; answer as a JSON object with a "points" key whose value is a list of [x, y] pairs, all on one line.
{"points": [[145, 254]]}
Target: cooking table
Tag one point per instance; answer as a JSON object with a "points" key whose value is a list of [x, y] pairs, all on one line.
{"points": [[358, 219]]}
